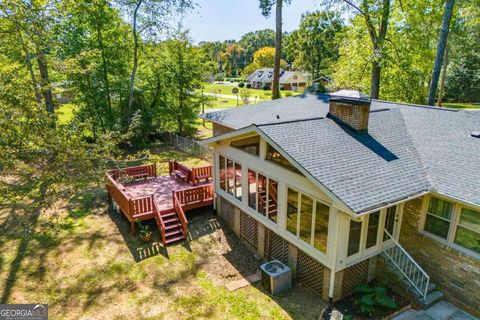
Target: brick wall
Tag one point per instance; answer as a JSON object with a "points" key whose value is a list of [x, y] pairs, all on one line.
{"points": [[455, 273], [218, 129], [356, 116]]}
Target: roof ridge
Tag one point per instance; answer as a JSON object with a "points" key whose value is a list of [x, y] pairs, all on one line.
{"points": [[415, 144], [416, 105], [290, 121]]}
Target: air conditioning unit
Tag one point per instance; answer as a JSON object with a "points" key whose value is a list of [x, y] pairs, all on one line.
{"points": [[276, 277]]}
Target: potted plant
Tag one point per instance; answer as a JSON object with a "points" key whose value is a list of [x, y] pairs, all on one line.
{"points": [[144, 231]]}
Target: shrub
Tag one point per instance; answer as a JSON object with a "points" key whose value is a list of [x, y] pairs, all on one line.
{"points": [[241, 85], [373, 300], [288, 94], [266, 87], [220, 77], [249, 85]]}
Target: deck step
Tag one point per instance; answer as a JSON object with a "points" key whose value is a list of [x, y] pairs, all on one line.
{"points": [[169, 214], [170, 220], [174, 239], [173, 226], [173, 232]]}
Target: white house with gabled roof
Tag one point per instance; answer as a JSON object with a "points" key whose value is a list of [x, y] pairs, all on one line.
{"points": [[345, 189]]}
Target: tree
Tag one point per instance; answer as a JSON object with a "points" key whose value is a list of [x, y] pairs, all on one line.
{"points": [[442, 43], [266, 7], [147, 17], [34, 21], [374, 13], [263, 58], [314, 46], [234, 59], [252, 41]]}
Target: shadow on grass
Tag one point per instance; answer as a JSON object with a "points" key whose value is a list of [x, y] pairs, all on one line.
{"points": [[139, 250]]}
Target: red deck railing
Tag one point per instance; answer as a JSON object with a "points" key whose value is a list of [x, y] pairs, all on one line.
{"points": [[145, 207], [195, 197]]}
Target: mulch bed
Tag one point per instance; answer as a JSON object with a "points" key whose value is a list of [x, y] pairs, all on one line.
{"points": [[347, 307]]}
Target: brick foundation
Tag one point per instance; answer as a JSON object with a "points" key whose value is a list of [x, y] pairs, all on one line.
{"points": [[455, 273]]}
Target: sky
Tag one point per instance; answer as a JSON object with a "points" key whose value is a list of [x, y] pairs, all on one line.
{"points": [[222, 20]]}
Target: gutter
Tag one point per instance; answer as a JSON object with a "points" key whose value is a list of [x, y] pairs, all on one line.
{"points": [[389, 204]]}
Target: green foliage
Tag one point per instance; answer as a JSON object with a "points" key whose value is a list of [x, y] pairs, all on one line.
{"points": [[373, 300], [241, 85], [252, 41], [314, 46], [248, 86]]}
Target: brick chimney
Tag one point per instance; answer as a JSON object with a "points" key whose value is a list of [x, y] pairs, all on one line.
{"points": [[351, 108]]}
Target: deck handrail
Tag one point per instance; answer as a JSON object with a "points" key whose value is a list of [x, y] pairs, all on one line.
{"points": [[150, 170], [194, 194], [201, 173], [159, 220], [181, 214], [412, 271]]}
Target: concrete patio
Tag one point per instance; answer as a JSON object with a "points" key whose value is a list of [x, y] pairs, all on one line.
{"points": [[442, 310]]}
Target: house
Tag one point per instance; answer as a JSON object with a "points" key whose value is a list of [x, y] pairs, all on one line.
{"points": [[345, 189], [289, 80]]}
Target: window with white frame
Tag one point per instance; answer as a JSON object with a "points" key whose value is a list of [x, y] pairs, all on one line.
{"points": [[230, 177], [307, 218], [453, 222], [262, 194]]}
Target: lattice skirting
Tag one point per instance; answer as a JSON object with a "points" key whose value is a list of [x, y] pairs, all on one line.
{"points": [[249, 229], [354, 276], [227, 212], [276, 248], [310, 272]]}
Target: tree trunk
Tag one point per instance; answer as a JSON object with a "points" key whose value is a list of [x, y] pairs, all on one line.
{"points": [[45, 83], [442, 42], [28, 62], [278, 51], [105, 77], [442, 82], [375, 80], [128, 112]]}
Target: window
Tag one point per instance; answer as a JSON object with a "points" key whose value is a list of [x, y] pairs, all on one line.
{"points": [[468, 230], [262, 194], [292, 210], [250, 145], [372, 230], [252, 189], [275, 156], [230, 177], [322, 213], [222, 173], [272, 200], [438, 218], [390, 222], [354, 237], [238, 181], [313, 225], [454, 223], [306, 217]]}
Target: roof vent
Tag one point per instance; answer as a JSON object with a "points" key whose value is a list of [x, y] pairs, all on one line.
{"points": [[351, 108], [475, 134]]}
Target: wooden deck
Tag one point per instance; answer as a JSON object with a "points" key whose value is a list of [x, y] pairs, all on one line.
{"points": [[141, 195]]}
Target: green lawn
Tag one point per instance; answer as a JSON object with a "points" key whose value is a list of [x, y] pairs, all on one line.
{"points": [[65, 113], [227, 89], [80, 258], [462, 105]]}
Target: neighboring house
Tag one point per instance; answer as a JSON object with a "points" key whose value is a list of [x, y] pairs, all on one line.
{"points": [[345, 190], [289, 80]]}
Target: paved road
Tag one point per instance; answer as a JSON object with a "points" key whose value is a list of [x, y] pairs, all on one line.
{"points": [[227, 96]]}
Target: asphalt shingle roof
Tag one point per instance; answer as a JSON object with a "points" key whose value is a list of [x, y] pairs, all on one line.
{"points": [[408, 149]]}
